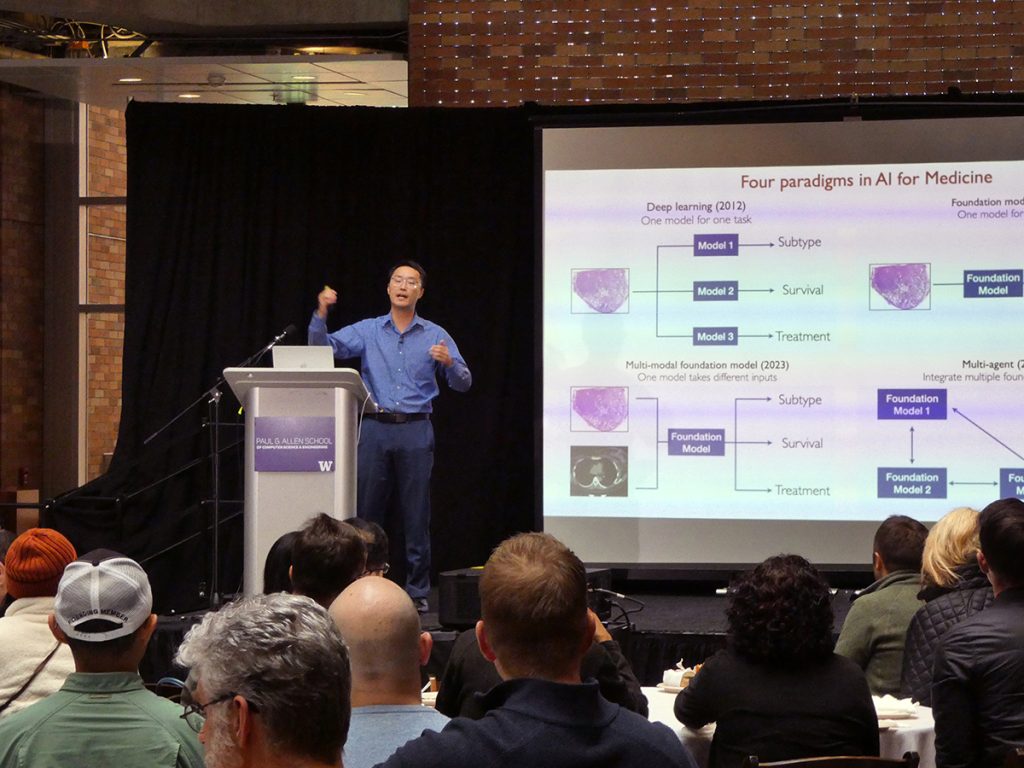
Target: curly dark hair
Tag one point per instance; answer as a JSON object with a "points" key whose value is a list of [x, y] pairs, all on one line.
{"points": [[781, 613]]}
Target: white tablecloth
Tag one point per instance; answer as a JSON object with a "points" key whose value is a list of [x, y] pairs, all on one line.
{"points": [[912, 735]]}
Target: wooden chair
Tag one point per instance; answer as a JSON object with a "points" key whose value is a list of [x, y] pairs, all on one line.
{"points": [[909, 760]]}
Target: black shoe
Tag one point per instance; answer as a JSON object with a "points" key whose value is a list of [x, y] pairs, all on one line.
{"points": [[422, 606]]}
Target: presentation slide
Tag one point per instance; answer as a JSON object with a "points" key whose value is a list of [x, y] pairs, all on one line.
{"points": [[779, 342]]}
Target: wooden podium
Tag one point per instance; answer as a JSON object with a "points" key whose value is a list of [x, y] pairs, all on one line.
{"points": [[301, 430]]}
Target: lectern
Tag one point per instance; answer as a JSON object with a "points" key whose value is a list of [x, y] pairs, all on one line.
{"points": [[301, 428]]}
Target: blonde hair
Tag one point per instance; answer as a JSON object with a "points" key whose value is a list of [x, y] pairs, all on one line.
{"points": [[952, 542]]}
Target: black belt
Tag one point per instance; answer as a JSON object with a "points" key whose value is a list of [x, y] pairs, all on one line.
{"points": [[396, 418]]}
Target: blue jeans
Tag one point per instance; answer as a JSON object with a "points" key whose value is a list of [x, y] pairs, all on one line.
{"points": [[399, 457]]}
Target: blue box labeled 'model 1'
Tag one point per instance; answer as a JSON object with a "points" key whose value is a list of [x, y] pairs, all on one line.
{"points": [[911, 404], [716, 245]]}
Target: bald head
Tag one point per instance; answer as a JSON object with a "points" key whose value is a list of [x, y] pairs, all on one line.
{"points": [[386, 645]]}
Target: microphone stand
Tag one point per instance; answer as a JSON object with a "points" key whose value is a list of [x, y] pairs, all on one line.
{"points": [[213, 396]]}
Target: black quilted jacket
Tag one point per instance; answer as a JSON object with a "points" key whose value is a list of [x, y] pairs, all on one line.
{"points": [[970, 595]]}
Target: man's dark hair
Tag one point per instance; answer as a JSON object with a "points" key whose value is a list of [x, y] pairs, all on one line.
{"points": [[376, 542], [413, 265], [780, 613], [327, 556], [899, 541], [1001, 530], [279, 560]]}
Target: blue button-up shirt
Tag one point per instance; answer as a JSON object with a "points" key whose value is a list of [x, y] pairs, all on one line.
{"points": [[397, 367]]}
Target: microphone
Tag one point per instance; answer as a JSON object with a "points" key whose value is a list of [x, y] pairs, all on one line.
{"points": [[290, 329]]}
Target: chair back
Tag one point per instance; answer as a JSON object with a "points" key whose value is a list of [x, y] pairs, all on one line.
{"points": [[909, 760]]}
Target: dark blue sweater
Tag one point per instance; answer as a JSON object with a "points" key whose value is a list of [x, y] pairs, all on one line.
{"points": [[540, 724]]}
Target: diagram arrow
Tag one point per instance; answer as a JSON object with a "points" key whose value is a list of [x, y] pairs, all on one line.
{"points": [[666, 290], [911, 445], [657, 452], [757, 290], [748, 442], [735, 454], [963, 483], [757, 245], [753, 336], [960, 284], [962, 415]]}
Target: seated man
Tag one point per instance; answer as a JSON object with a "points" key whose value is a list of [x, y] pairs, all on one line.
{"points": [[875, 630], [32, 663], [327, 556], [535, 628], [271, 675], [978, 681], [387, 648], [376, 545], [103, 715], [468, 675]]}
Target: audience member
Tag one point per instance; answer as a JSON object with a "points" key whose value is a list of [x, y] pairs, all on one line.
{"points": [[278, 564], [381, 627], [954, 588], [102, 715], [327, 556], [468, 675], [978, 680], [376, 545], [535, 628], [270, 673], [778, 691], [875, 629], [32, 663], [6, 539]]}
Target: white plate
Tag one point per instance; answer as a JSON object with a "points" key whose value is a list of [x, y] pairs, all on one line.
{"points": [[669, 688], [895, 714]]}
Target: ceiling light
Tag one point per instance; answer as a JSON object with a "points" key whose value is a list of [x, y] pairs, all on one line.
{"points": [[129, 79], [188, 95], [304, 78]]}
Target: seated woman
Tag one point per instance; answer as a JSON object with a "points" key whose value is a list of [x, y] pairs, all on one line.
{"points": [[953, 587], [778, 691]]}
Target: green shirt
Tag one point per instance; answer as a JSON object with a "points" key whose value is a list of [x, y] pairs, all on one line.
{"points": [[875, 630], [106, 719]]}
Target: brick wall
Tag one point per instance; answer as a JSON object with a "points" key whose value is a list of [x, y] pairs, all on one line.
{"points": [[21, 287], [106, 175], [494, 53]]}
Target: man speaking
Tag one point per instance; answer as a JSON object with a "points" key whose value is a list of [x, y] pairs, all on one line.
{"points": [[401, 356]]}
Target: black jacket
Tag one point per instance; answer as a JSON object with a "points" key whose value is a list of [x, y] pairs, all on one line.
{"points": [[978, 686], [943, 610]]}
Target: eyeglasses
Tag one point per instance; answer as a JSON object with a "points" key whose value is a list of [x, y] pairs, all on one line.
{"points": [[383, 570], [195, 713], [408, 282]]}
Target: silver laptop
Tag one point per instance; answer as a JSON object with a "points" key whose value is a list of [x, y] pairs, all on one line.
{"points": [[311, 358]]}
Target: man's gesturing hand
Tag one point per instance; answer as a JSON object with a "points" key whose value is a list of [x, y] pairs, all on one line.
{"points": [[440, 353], [326, 299]]}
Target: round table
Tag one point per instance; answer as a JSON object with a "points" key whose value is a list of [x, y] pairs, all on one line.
{"points": [[915, 734]]}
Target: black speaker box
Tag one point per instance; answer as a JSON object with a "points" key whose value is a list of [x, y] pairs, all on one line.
{"points": [[459, 596]]}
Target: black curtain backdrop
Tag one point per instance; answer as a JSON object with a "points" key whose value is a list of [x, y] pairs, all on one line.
{"points": [[237, 217]]}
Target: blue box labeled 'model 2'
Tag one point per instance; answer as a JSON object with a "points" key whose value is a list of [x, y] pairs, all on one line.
{"points": [[911, 482]]}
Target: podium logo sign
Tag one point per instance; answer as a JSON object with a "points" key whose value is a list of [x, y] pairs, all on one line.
{"points": [[294, 444]]}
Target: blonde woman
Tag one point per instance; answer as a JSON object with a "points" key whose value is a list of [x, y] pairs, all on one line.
{"points": [[953, 587]]}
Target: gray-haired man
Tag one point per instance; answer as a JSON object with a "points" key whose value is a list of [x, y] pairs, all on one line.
{"points": [[271, 675]]}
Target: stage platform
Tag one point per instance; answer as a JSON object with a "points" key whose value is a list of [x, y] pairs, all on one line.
{"points": [[671, 626]]}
